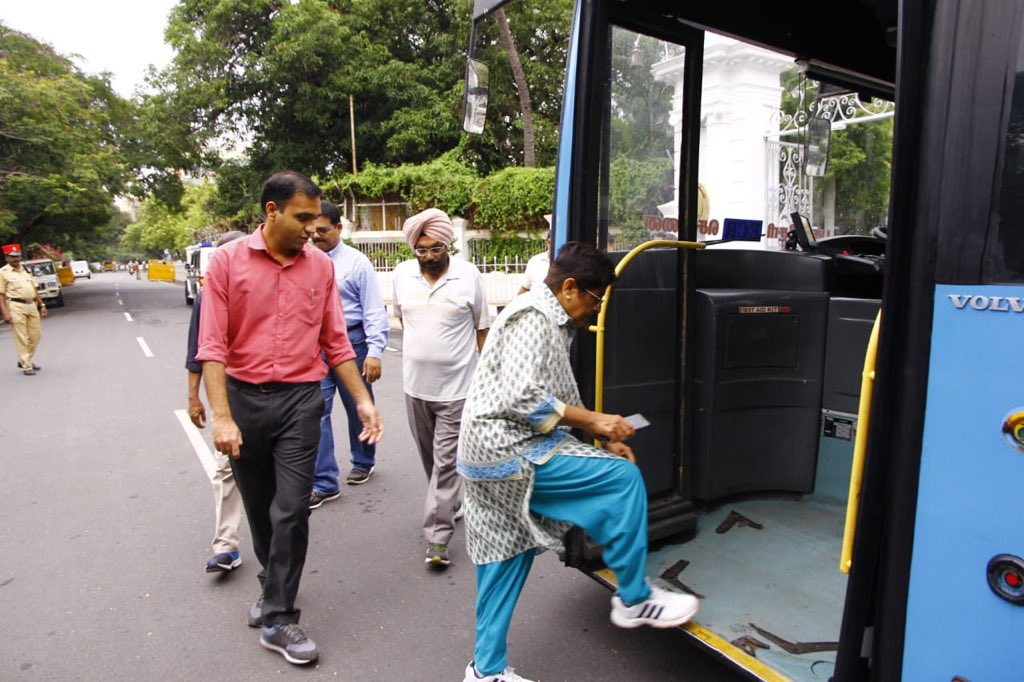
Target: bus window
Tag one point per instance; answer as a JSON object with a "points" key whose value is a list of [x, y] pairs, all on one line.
{"points": [[761, 123], [642, 133]]}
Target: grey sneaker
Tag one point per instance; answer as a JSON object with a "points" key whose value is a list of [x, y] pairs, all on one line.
{"points": [[255, 616], [291, 642], [506, 675], [316, 499], [359, 476], [437, 556]]}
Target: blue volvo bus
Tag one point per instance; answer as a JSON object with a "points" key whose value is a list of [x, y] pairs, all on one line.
{"points": [[836, 448]]}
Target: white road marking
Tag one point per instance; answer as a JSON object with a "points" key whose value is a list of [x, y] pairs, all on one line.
{"points": [[120, 302], [145, 349], [128, 316], [206, 457]]}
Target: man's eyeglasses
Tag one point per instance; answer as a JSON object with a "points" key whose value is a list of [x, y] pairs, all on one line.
{"points": [[436, 250], [320, 229], [599, 299]]}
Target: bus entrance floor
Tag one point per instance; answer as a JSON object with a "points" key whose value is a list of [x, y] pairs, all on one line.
{"points": [[767, 573]]}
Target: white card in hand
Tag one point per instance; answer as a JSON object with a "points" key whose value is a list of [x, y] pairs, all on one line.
{"points": [[637, 421]]}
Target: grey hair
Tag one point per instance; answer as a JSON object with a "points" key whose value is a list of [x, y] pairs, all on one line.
{"points": [[229, 237]]}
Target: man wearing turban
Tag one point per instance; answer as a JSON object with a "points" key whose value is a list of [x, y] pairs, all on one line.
{"points": [[442, 306]]}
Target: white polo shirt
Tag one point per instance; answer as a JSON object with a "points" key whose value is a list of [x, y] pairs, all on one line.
{"points": [[439, 325], [536, 270]]}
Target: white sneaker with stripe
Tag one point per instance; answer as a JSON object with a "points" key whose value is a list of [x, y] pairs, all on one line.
{"points": [[663, 609], [506, 675]]}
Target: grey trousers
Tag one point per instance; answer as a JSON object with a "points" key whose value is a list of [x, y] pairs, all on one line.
{"points": [[435, 428]]}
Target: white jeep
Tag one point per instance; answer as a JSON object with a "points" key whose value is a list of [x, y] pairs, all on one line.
{"points": [[47, 283]]}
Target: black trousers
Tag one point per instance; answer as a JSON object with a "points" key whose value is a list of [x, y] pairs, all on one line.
{"points": [[280, 425]]}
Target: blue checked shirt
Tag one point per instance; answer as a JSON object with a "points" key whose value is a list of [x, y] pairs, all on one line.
{"points": [[360, 296]]}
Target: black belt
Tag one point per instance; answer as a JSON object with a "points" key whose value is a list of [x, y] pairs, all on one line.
{"points": [[21, 300], [357, 325], [270, 386]]}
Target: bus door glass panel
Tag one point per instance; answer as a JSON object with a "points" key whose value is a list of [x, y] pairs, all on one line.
{"points": [[637, 199], [639, 179]]}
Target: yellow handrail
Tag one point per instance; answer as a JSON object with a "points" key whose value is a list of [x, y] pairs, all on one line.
{"points": [[599, 328], [860, 446]]}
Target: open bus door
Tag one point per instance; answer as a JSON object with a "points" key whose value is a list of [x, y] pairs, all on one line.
{"points": [[748, 361]]}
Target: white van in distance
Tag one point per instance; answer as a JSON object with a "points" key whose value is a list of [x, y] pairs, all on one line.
{"points": [[197, 257], [81, 269]]}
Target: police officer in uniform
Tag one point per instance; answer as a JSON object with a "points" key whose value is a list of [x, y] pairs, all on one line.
{"points": [[21, 307]]}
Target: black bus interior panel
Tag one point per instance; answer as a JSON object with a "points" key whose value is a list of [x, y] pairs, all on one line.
{"points": [[759, 346]]}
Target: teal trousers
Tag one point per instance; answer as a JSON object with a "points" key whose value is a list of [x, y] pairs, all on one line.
{"points": [[604, 497]]}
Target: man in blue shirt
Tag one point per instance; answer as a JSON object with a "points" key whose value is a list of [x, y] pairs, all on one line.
{"points": [[367, 322]]}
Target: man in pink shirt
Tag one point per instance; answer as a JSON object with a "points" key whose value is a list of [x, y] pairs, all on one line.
{"points": [[270, 304]]}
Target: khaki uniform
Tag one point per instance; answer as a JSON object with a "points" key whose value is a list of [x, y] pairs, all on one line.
{"points": [[14, 285]]}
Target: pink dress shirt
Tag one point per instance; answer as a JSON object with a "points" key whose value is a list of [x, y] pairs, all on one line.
{"points": [[267, 322]]}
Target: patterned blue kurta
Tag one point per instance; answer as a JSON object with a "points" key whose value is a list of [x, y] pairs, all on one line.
{"points": [[523, 382]]}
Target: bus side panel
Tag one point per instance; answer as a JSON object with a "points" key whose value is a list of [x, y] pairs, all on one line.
{"points": [[972, 478]]}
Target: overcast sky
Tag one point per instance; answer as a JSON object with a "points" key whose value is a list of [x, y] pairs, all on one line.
{"points": [[119, 36]]}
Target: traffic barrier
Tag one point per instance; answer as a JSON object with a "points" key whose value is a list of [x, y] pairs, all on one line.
{"points": [[160, 271], [66, 276]]}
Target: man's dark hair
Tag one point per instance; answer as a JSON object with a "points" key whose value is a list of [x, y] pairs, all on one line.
{"points": [[280, 187], [589, 267], [330, 211]]}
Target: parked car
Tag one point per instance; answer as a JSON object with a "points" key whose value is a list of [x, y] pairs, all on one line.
{"points": [[197, 260], [81, 269], [45, 274]]}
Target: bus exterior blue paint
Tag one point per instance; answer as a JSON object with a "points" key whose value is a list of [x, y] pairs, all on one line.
{"points": [[971, 482], [560, 214]]}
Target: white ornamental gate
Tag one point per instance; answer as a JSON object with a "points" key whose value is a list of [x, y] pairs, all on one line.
{"points": [[788, 188]]}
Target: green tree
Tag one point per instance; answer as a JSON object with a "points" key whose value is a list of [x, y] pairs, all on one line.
{"points": [[540, 34], [278, 75], [636, 189], [160, 226], [60, 144], [861, 164], [860, 159]]}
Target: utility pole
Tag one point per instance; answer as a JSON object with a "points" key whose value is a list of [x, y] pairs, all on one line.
{"points": [[352, 128]]}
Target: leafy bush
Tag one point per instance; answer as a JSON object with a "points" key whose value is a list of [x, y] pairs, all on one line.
{"points": [[514, 200], [443, 183], [637, 188]]}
